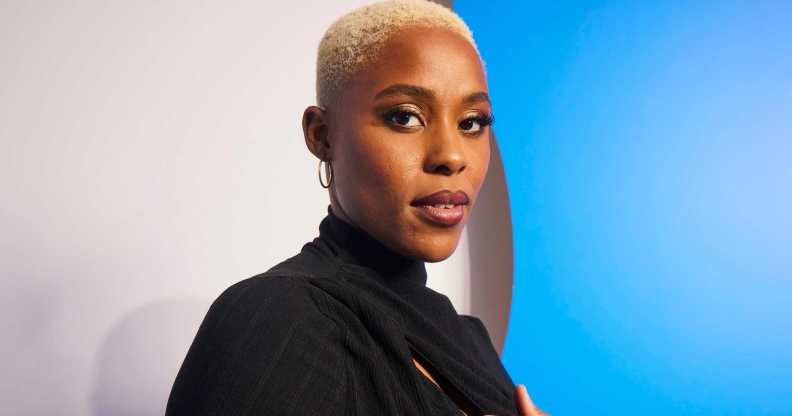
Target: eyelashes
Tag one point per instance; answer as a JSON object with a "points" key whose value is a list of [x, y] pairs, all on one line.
{"points": [[483, 120], [408, 119], [403, 118]]}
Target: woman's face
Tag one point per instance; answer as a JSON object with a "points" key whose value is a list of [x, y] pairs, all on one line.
{"points": [[412, 123]]}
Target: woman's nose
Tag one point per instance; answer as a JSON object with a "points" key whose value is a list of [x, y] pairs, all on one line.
{"points": [[446, 154]]}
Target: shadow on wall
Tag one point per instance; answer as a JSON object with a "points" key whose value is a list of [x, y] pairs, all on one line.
{"points": [[491, 252], [130, 378]]}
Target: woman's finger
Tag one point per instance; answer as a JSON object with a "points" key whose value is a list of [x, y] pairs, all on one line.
{"points": [[524, 403]]}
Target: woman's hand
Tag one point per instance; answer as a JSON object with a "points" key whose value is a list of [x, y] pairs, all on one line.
{"points": [[525, 404]]}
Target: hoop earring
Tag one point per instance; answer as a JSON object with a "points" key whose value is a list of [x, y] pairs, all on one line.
{"points": [[328, 173]]}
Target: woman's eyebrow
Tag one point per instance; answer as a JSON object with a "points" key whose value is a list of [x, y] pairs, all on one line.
{"points": [[426, 93], [406, 89], [477, 97]]}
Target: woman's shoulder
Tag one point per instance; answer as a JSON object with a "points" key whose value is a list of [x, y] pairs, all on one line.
{"points": [[477, 325], [286, 284], [258, 332], [267, 295]]}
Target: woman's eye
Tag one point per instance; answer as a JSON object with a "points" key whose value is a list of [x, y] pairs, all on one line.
{"points": [[404, 118], [475, 124], [470, 125]]}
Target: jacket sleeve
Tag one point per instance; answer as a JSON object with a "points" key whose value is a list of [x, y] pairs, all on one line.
{"points": [[264, 347]]}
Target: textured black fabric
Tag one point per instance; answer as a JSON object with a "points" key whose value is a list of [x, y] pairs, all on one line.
{"points": [[330, 331]]}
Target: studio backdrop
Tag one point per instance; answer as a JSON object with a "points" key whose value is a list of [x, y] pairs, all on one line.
{"points": [[631, 249]]}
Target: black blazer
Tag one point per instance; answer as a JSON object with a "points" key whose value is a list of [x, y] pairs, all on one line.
{"points": [[332, 331]]}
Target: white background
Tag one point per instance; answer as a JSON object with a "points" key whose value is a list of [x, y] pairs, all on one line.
{"points": [[152, 156]]}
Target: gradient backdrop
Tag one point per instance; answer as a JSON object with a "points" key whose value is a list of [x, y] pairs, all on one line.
{"points": [[648, 157]]}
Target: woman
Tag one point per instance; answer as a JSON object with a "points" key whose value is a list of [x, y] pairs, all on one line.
{"points": [[348, 326]]}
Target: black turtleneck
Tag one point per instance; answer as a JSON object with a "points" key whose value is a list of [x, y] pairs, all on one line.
{"points": [[332, 331]]}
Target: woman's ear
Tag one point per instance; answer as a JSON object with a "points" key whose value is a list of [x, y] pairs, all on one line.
{"points": [[315, 130]]}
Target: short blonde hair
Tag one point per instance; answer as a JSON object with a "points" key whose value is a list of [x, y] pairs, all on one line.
{"points": [[355, 38]]}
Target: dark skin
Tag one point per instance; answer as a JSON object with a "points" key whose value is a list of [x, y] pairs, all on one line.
{"points": [[412, 122]]}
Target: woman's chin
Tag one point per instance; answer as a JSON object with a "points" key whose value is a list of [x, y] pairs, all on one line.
{"points": [[438, 250]]}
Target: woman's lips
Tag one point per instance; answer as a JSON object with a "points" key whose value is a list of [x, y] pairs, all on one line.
{"points": [[443, 207], [443, 216]]}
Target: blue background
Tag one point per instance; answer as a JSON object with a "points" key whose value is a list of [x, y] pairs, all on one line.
{"points": [[648, 157]]}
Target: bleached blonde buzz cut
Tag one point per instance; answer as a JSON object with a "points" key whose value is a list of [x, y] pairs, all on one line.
{"points": [[355, 38]]}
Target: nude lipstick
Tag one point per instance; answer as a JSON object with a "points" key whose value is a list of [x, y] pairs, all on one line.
{"points": [[444, 207]]}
